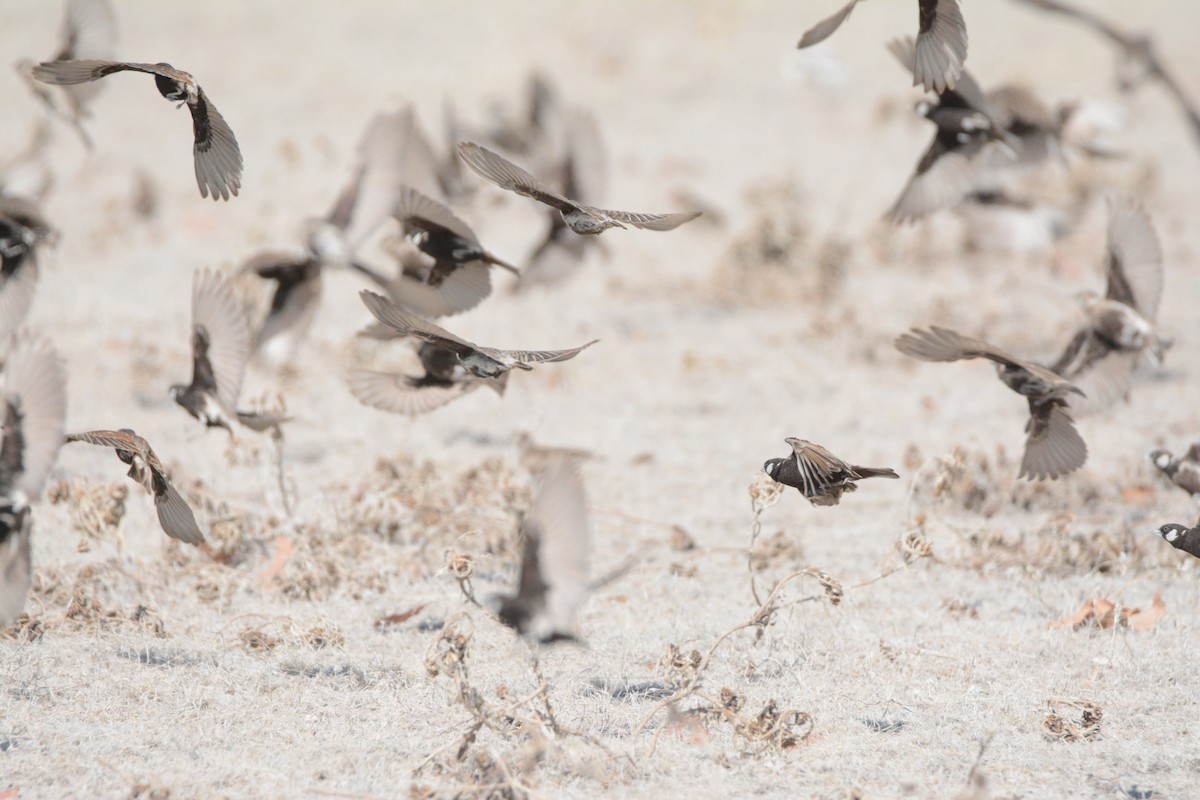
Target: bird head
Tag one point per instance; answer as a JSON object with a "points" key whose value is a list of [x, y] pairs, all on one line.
{"points": [[176, 391], [1161, 458], [1171, 532]]}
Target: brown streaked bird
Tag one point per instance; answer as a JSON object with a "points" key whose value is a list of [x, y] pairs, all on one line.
{"points": [[966, 134], [483, 362], [1182, 537], [818, 474], [89, 31], [1102, 355], [218, 159], [444, 380], [34, 411], [581, 218], [1052, 447], [452, 272], [23, 230], [220, 349], [941, 46], [1183, 472], [174, 514], [555, 545]]}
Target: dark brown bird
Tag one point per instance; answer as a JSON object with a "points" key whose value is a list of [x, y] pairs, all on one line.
{"points": [[34, 409], [220, 349], [581, 218], [443, 380], [174, 514], [89, 31], [1183, 472], [482, 362], [1102, 356], [555, 550], [941, 46], [966, 135], [1182, 537], [818, 474], [217, 156], [1052, 447], [451, 272]]}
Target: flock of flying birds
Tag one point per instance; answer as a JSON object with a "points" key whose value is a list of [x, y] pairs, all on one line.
{"points": [[443, 270]]}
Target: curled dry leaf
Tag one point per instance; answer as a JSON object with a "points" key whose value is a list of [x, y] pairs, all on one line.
{"points": [[1101, 613]]}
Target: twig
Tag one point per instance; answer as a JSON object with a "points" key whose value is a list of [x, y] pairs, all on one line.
{"points": [[1137, 48]]}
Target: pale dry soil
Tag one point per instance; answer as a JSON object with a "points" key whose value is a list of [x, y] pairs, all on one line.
{"points": [[148, 668]]}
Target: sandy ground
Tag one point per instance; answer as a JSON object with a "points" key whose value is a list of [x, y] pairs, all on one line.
{"points": [[149, 668]]}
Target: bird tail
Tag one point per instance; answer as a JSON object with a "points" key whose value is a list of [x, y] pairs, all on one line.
{"points": [[876, 472]]}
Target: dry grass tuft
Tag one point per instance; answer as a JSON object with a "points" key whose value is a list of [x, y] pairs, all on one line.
{"points": [[1056, 728]]}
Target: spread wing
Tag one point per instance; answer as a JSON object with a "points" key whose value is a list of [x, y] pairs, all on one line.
{"points": [[218, 159], [89, 32], [535, 356], [67, 73], [416, 210], [402, 394], [825, 28], [943, 344], [407, 324], [1134, 260], [462, 289], [941, 45], [653, 222], [16, 292], [175, 515], [507, 175], [558, 525], [393, 151], [1053, 446], [35, 407], [943, 178], [226, 333]]}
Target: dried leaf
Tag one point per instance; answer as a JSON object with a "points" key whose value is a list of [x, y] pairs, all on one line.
{"points": [[283, 551], [1139, 620], [396, 619]]}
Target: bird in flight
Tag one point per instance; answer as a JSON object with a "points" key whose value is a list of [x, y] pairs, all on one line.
{"points": [[581, 218], [174, 514], [482, 362], [1052, 446], [215, 150], [941, 46], [1103, 354], [818, 474], [220, 349]]}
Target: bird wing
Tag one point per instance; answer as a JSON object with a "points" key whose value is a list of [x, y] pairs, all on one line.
{"points": [[1053, 447], [175, 515], [16, 293], [218, 159], [558, 524], [402, 322], [414, 209], [534, 356], [941, 45], [117, 440], [943, 344], [1134, 260], [296, 297], [944, 176], [585, 166], [402, 394], [226, 334], [35, 407], [67, 73], [507, 175], [89, 32], [653, 222], [462, 289], [393, 151], [825, 28]]}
